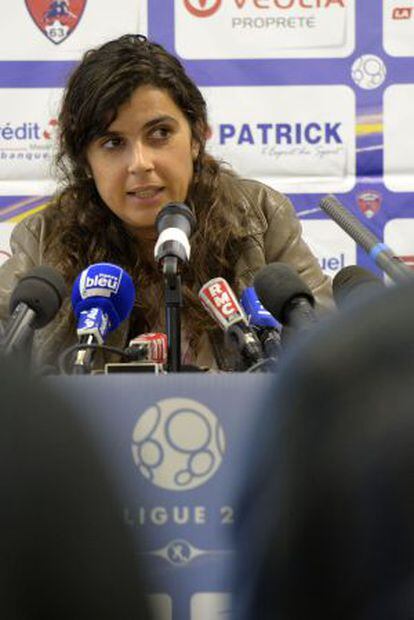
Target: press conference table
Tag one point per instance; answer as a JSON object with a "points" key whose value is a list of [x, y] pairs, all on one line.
{"points": [[180, 447]]}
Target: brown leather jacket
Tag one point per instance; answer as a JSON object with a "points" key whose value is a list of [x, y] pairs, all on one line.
{"points": [[276, 236]]}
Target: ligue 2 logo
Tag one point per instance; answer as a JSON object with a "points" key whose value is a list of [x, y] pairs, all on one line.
{"points": [[202, 8], [178, 444]]}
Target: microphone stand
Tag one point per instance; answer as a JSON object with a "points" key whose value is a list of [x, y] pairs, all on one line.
{"points": [[83, 360], [18, 335], [173, 304]]}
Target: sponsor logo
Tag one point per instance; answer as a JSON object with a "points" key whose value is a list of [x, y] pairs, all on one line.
{"points": [[332, 263], [369, 203], [221, 299], [27, 140], [178, 444], [402, 12], [101, 284], [94, 318], [51, 130], [290, 28], [181, 552], [202, 8], [178, 515], [28, 131], [103, 280], [89, 318], [206, 8], [368, 71], [280, 133], [177, 552], [57, 19], [25, 131]]}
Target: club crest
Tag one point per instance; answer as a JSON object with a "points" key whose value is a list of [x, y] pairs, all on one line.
{"points": [[57, 19], [369, 203]]}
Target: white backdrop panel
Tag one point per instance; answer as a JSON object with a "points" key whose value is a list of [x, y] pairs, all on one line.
{"points": [[399, 137], [268, 132], [398, 19], [27, 139], [331, 245], [265, 28]]}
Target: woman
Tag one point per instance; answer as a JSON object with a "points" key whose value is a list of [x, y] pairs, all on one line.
{"points": [[133, 131]]}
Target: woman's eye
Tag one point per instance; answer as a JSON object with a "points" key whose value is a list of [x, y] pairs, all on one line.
{"points": [[161, 133], [111, 143]]}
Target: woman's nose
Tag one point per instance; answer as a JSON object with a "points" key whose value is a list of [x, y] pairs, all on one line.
{"points": [[141, 159]]}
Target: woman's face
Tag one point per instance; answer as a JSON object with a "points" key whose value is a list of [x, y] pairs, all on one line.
{"points": [[144, 160]]}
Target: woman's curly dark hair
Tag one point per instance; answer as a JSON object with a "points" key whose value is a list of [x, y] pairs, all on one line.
{"points": [[83, 230]]}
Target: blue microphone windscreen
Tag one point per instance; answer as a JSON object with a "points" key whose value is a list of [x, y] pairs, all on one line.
{"points": [[105, 286], [257, 313]]}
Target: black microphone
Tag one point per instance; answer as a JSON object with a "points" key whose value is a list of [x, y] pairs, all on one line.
{"points": [[34, 302], [383, 256], [285, 295], [353, 283], [174, 223]]}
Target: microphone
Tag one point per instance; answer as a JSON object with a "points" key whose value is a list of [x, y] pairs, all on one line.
{"points": [[354, 283], [286, 296], [103, 296], [257, 314], [264, 324], [221, 303], [151, 347], [34, 302], [383, 256], [174, 223]]}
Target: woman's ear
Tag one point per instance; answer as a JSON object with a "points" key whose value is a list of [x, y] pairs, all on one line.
{"points": [[195, 149], [88, 170], [206, 132]]}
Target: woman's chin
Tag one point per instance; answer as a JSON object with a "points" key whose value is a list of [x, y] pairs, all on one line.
{"points": [[143, 230]]}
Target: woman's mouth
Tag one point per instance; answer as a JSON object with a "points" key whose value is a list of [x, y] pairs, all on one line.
{"points": [[145, 194]]}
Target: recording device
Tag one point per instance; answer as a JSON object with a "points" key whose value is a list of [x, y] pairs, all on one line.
{"points": [[102, 297], [151, 347], [221, 303], [174, 223], [34, 302], [147, 352], [383, 256], [353, 283], [286, 296], [263, 323]]}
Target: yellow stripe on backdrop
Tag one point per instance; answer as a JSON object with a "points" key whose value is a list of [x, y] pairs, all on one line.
{"points": [[16, 205], [22, 216], [364, 129], [22, 203]]}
